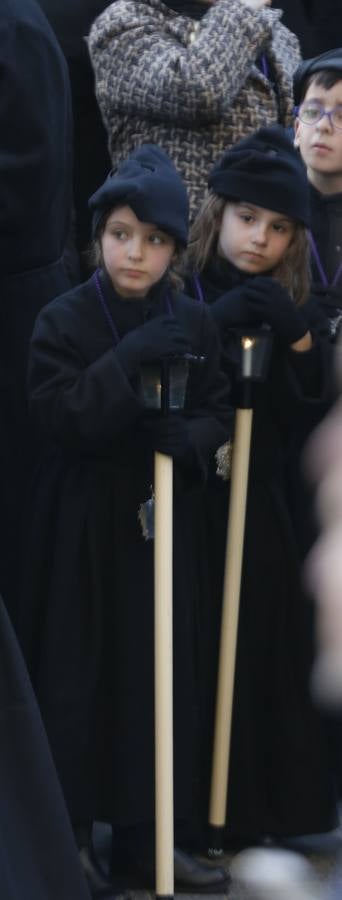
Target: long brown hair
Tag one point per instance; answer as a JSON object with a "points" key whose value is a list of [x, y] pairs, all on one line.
{"points": [[293, 272]]}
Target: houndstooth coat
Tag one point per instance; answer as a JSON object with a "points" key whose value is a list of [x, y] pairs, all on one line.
{"points": [[191, 87]]}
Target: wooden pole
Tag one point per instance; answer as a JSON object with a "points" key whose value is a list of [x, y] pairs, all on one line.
{"points": [[229, 626], [163, 487]]}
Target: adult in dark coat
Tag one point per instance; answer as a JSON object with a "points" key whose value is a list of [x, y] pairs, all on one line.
{"points": [[38, 858], [71, 21], [35, 198], [297, 17], [326, 25]]}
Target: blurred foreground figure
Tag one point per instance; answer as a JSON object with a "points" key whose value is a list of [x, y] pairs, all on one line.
{"points": [[324, 565], [38, 856], [275, 875]]}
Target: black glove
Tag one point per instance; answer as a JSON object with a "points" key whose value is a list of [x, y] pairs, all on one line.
{"points": [[270, 303], [231, 309], [169, 435], [161, 336]]}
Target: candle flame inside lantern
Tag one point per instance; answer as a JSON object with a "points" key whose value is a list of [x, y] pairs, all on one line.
{"points": [[247, 346], [248, 343]]}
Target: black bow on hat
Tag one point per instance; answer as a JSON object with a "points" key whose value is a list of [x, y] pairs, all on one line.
{"points": [[266, 170], [149, 183]]}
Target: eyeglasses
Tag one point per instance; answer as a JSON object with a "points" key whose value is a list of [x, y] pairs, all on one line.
{"points": [[311, 112]]}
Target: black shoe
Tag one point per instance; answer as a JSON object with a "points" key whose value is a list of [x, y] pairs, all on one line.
{"points": [[97, 882], [198, 877], [191, 875]]}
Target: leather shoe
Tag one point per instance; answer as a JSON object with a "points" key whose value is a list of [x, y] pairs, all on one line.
{"points": [[198, 877], [97, 882], [191, 875]]}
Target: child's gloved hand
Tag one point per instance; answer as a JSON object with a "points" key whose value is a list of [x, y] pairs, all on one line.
{"points": [[160, 336], [169, 435], [231, 309], [270, 303]]}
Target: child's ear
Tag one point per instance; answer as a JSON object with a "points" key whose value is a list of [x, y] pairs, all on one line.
{"points": [[296, 142], [178, 252]]}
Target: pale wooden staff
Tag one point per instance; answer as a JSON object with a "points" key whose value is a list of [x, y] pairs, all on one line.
{"points": [[231, 603], [163, 554], [163, 619]]}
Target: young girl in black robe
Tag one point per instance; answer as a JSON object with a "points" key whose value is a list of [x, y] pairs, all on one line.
{"points": [[89, 584], [248, 255]]}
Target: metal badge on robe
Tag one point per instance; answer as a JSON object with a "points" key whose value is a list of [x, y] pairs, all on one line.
{"points": [[223, 457], [163, 385], [146, 517]]}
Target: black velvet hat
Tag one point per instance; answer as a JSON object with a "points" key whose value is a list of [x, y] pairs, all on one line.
{"points": [[331, 60], [149, 183], [266, 170]]}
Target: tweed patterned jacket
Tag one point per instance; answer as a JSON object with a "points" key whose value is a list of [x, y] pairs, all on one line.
{"points": [[191, 87]]}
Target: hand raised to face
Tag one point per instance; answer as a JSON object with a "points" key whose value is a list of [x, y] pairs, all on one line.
{"points": [[257, 4]]}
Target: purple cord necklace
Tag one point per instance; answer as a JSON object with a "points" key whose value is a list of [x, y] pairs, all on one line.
{"points": [[107, 313], [198, 288], [146, 508], [319, 264]]}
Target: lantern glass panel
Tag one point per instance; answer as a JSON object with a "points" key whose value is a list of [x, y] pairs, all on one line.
{"points": [[254, 354], [178, 379], [151, 377], [164, 384]]}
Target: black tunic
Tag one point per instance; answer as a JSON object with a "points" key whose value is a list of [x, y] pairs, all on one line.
{"points": [[35, 201], [89, 587], [326, 227], [279, 780], [326, 317], [296, 15], [71, 21], [326, 25]]}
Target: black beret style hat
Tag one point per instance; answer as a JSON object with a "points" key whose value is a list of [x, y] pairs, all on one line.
{"points": [[265, 169], [149, 183], [331, 59]]}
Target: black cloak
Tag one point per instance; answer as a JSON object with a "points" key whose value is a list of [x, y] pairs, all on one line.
{"points": [[38, 856], [35, 201], [88, 630]]}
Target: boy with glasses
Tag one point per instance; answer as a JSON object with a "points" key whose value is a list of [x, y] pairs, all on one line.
{"points": [[318, 135]]}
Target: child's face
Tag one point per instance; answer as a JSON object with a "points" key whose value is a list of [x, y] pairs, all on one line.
{"points": [[135, 254], [320, 144], [254, 239]]}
